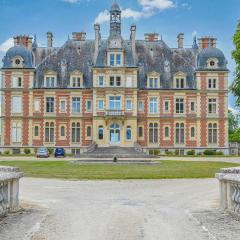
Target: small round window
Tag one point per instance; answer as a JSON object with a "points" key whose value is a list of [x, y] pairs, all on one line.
{"points": [[212, 63], [17, 61]]}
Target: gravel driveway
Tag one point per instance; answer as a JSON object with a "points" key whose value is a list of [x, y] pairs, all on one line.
{"points": [[113, 210]]}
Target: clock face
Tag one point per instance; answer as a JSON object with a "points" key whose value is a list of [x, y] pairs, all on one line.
{"points": [[115, 43]]}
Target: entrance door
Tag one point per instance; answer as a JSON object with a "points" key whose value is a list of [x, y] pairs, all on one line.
{"points": [[114, 133]]}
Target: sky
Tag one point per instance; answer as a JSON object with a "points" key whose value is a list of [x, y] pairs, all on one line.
{"points": [[216, 18]]}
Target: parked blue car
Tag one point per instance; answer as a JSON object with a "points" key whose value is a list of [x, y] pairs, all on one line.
{"points": [[59, 152]]}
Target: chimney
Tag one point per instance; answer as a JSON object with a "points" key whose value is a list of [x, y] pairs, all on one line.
{"points": [[180, 38], [49, 39], [133, 41], [79, 36], [208, 41], [151, 37], [24, 40], [97, 40]]}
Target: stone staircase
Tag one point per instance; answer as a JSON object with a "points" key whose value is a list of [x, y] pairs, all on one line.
{"points": [[110, 152]]}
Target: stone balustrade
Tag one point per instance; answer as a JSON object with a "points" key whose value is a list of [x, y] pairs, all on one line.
{"points": [[9, 189], [229, 182]]}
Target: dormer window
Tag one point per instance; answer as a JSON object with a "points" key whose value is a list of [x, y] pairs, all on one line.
{"points": [[115, 59], [50, 82], [76, 79], [212, 63], [153, 80], [17, 62], [179, 80]]}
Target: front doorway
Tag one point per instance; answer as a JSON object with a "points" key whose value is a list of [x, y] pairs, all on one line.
{"points": [[114, 134]]}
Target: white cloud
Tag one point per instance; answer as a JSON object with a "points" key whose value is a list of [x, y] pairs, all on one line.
{"points": [[148, 9], [6, 45]]}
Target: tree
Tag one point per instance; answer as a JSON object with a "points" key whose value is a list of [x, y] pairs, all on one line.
{"points": [[236, 56], [232, 122]]}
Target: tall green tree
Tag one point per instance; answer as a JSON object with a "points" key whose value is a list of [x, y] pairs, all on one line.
{"points": [[236, 56], [232, 122]]}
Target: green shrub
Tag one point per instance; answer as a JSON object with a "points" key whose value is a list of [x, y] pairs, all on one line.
{"points": [[199, 154], [191, 152], [35, 150], [27, 151], [209, 152], [169, 153], [177, 152], [219, 153], [6, 152], [50, 150], [154, 152]]}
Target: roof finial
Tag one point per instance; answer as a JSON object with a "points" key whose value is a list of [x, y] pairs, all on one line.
{"points": [[161, 37], [195, 45], [35, 45]]}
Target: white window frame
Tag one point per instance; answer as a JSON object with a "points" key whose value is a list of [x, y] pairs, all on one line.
{"points": [[17, 107], [153, 105], [129, 107]]}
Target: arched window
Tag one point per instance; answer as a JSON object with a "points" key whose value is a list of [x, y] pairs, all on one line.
{"points": [[212, 133], [49, 132], [100, 132], [16, 132], [140, 132], [76, 132], [180, 133], [166, 132], [89, 131], [192, 132], [63, 132], [129, 133], [153, 133]]}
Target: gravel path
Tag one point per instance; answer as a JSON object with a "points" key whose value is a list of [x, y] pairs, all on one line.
{"points": [[117, 210]]}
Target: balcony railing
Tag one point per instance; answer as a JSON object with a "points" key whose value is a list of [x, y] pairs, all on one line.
{"points": [[114, 113]]}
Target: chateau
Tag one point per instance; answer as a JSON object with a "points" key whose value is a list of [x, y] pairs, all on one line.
{"points": [[115, 92]]}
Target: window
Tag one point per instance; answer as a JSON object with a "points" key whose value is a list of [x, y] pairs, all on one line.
{"points": [[118, 81], [140, 132], [212, 133], [153, 105], [76, 82], [115, 59], [180, 83], [101, 81], [166, 132], [36, 131], [112, 59], [129, 104], [50, 104], [115, 103], [111, 81], [76, 132], [129, 133], [16, 132], [16, 104], [63, 106], [192, 132], [192, 106], [118, 59], [212, 83], [153, 133], [179, 105], [212, 105], [89, 131], [49, 132], [17, 82], [100, 132], [76, 104], [166, 106], [62, 131], [180, 133], [89, 106], [100, 104], [140, 106], [212, 63], [36, 105], [17, 61], [50, 82], [153, 82]]}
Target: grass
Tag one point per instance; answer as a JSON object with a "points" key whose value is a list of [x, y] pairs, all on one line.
{"points": [[164, 170]]}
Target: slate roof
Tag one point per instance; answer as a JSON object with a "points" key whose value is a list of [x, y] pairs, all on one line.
{"points": [[18, 51]]}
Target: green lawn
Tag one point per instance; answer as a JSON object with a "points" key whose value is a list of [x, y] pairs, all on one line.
{"points": [[166, 169]]}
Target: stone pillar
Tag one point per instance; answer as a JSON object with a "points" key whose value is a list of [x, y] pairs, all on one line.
{"points": [[49, 39], [133, 41], [13, 194]]}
